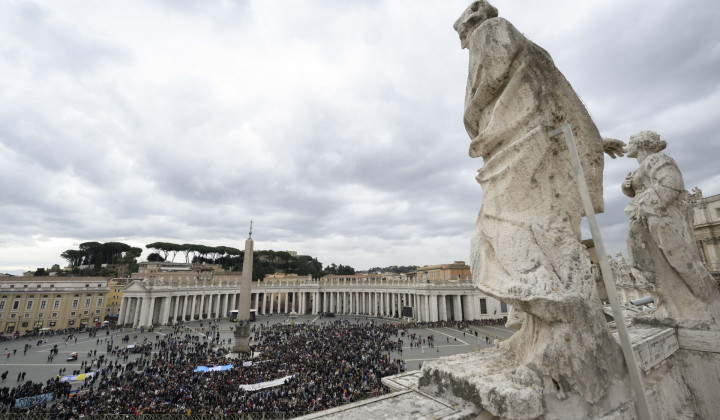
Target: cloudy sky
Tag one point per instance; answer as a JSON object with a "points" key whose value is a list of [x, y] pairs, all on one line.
{"points": [[336, 126]]}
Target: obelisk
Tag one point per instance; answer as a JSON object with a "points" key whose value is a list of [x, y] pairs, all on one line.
{"points": [[242, 330]]}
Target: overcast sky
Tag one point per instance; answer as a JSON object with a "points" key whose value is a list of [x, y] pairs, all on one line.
{"points": [[336, 126]]}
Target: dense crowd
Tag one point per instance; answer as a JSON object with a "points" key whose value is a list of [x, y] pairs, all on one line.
{"points": [[328, 364]]}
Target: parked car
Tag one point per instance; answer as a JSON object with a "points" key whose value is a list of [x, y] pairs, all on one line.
{"points": [[72, 356]]}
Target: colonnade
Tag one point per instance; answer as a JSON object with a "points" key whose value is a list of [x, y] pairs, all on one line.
{"points": [[425, 307], [154, 310]]}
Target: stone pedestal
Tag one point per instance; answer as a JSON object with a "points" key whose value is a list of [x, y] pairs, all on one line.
{"points": [[242, 337]]}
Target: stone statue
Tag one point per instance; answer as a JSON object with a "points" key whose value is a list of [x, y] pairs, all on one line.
{"points": [[661, 243], [526, 249]]}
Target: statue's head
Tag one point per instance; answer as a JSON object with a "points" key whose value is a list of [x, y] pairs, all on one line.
{"points": [[478, 12], [645, 140]]}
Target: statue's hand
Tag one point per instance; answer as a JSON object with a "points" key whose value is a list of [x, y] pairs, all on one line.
{"points": [[614, 147], [627, 185]]}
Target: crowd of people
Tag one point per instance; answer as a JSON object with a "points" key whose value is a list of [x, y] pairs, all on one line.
{"points": [[326, 365]]}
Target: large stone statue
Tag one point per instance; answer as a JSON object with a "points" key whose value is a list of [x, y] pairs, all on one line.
{"points": [[661, 243], [526, 249]]}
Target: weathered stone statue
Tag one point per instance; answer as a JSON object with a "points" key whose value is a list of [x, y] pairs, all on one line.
{"points": [[661, 244], [526, 249]]}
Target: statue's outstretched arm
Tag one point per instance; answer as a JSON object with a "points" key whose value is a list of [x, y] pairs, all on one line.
{"points": [[614, 147]]}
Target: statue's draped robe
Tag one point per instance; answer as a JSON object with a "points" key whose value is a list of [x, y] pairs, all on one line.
{"points": [[526, 249], [661, 242]]}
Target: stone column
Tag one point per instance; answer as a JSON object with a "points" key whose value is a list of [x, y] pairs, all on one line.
{"points": [[457, 308], [419, 308], [123, 309], [443, 308], [233, 302], [176, 309], [192, 307], [225, 304], [392, 305], [165, 311], [149, 312], [257, 301], [434, 308], [467, 308]]}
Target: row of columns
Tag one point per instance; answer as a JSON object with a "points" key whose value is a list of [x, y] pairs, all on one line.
{"points": [[428, 307], [145, 311], [149, 310]]}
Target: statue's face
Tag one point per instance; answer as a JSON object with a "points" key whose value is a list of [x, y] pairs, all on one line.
{"points": [[632, 149], [472, 17]]}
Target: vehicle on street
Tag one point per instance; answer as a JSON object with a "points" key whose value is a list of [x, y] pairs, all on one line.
{"points": [[72, 356]]}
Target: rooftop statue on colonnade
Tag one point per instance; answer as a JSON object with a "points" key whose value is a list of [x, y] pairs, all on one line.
{"points": [[661, 243], [526, 249]]}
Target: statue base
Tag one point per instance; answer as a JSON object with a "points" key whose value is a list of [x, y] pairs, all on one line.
{"points": [[498, 388], [242, 337]]}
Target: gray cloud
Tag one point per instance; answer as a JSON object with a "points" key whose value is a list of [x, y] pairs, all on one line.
{"points": [[336, 126]]}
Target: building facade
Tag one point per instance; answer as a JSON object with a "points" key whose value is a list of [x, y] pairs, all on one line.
{"points": [[36, 303], [706, 211], [114, 298]]}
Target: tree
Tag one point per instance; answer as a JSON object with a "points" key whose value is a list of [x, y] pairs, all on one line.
{"points": [[74, 257], [155, 257]]}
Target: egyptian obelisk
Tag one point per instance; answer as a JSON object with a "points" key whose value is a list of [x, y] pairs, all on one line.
{"points": [[242, 330]]}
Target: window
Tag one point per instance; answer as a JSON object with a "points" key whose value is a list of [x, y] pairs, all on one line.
{"points": [[54, 315], [717, 211], [483, 306], [52, 323], [85, 312], [9, 327], [87, 303], [26, 316], [75, 303], [2, 305], [41, 315], [43, 304], [24, 325], [503, 307], [56, 305], [29, 305], [99, 302], [71, 322], [73, 313], [0, 316], [38, 324], [16, 305], [13, 316]]}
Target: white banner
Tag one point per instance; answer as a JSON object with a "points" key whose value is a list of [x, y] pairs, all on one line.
{"points": [[263, 385]]}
